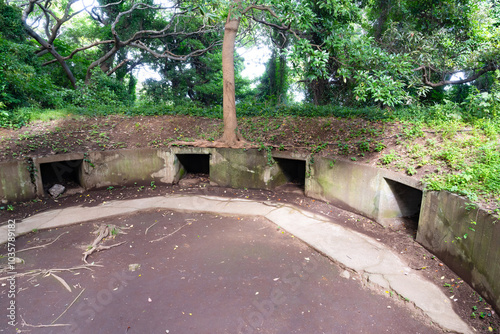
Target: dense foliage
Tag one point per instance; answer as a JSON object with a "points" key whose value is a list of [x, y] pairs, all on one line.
{"points": [[373, 52]]}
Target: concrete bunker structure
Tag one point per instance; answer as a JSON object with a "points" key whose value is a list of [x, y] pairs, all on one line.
{"points": [[67, 173], [439, 218], [294, 170], [194, 163]]}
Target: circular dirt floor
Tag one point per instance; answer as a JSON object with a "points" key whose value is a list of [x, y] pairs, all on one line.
{"points": [[193, 273]]}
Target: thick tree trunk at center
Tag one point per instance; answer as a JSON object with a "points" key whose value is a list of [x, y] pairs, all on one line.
{"points": [[230, 137]]}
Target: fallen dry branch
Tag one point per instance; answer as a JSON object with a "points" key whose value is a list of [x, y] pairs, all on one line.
{"points": [[168, 235], [24, 323], [146, 232], [67, 308], [62, 281], [41, 246], [103, 232], [46, 272]]}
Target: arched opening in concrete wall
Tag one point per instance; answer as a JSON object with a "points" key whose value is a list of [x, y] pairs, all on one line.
{"points": [[66, 173], [294, 171], [194, 166], [405, 201]]}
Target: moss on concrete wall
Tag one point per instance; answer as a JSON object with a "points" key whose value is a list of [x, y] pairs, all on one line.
{"points": [[466, 239], [15, 181]]}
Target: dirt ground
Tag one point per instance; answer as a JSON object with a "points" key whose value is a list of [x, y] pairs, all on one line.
{"points": [[196, 273], [468, 304]]}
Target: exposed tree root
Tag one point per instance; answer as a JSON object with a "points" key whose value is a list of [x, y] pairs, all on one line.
{"points": [[104, 231], [24, 323], [221, 143]]}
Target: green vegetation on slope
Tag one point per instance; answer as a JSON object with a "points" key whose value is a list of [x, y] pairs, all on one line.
{"points": [[461, 145]]}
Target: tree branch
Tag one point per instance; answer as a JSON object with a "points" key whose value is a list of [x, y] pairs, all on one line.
{"points": [[170, 55], [79, 50], [113, 70], [426, 72], [281, 27]]}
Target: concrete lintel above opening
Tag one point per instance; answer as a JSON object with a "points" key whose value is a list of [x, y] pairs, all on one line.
{"points": [[291, 155], [403, 179]]}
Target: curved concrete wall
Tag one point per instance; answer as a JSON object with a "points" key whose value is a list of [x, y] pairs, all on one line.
{"points": [[375, 193], [467, 240], [379, 194]]}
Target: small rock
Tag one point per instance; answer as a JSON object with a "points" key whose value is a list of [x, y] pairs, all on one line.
{"points": [[133, 266], [56, 190], [345, 274], [18, 260]]}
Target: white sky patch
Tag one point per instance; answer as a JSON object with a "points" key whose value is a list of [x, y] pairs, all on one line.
{"points": [[255, 61], [255, 64], [79, 5], [455, 77], [145, 72]]}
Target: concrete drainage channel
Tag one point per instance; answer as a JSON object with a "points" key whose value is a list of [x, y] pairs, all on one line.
{"points": [[442, 219]]}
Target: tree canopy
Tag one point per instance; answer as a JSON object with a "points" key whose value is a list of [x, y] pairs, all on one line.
{"points": [[371, 52]]}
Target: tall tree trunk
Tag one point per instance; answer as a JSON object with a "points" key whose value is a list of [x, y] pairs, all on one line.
{"points": [[379, 25], [230, 136]]}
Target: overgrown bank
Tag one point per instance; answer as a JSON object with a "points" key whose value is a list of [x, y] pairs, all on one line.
{"points": [[447, 146]]}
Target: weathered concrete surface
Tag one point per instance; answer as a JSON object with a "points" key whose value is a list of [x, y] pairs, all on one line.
{"points": [[376, 262], [468, 241], [15, 181], [350, 186], [397, 200], [375, 193], [125, 167], [244, 169]]}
